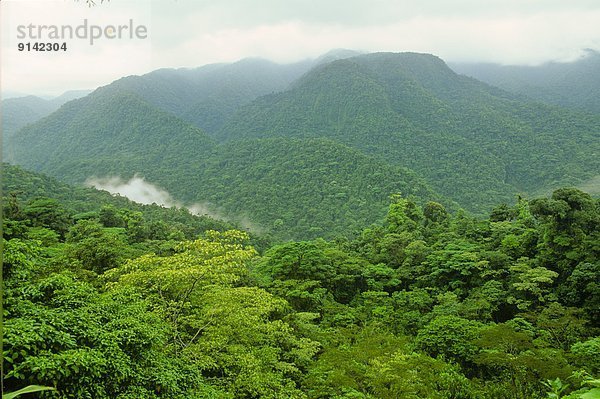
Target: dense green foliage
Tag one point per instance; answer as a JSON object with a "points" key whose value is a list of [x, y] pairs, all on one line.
{"points": [[299, 188], [424, 305], [569, 84], [55, 205]]}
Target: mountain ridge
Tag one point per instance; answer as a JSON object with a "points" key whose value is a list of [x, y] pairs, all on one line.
{"points": [[386, 104], [568, 84]]}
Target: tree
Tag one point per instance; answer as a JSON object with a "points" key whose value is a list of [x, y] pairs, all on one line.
{"points": [[61, 332], [506, 351], [414, 376], [49, 213], [403, 215], [531, 284], [109, 216], [96, 248], [329, 267], [450, 337], [587, 354], [232, 332]]}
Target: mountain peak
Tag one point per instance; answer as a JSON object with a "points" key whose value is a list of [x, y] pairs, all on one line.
{"points": [[336, 54]]}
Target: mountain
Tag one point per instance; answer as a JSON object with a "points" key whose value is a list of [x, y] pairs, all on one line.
{"points": [[474, 143], [570, 84], [204, 96], [21, 111], [208, 95], [68, 96], [110, 133], [18, 112], [292, 188]]}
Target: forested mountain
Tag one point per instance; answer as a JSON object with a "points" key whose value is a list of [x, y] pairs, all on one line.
{"points": [[383, 113], [291, 188], [208, 95], [204, 96], [570, 84], [20, 111], [110, 134], [472, 142], [116, 300]]}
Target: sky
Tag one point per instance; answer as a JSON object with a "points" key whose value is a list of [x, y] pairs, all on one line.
{"points": [[192, 33]]}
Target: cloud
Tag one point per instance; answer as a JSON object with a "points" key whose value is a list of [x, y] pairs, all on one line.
{"points": [[507, 31], [186, 33], [137, 189]]}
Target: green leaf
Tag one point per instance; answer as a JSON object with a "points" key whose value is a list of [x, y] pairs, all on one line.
{"points": [[27, 389], [593, 394]]}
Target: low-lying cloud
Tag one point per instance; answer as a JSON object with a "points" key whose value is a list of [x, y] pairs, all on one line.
{"points": [[137, 189]]}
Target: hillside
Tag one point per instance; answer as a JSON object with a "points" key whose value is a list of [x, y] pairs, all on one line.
{"points": [[208, 95], [569, 84], [23, 189], [20, 111], [289, 188], [299, 188], [117, 303], [472, 142], [115, 134]]}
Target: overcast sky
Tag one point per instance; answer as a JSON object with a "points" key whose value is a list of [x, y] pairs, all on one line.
{"points": [[191, 33]]}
